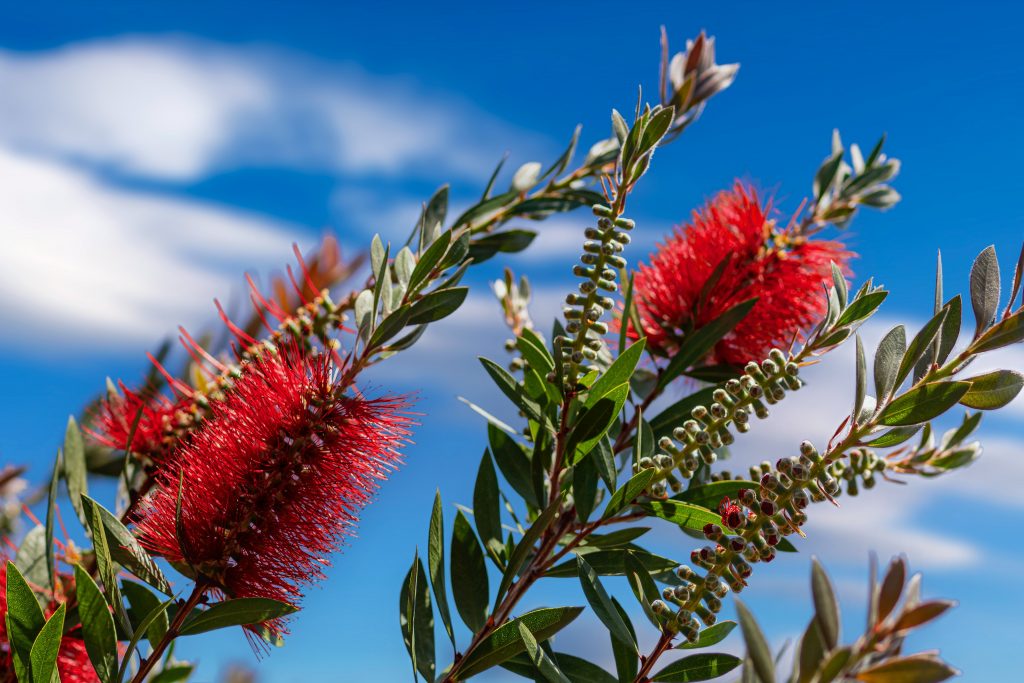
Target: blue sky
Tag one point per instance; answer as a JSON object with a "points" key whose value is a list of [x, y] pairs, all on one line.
{"points": [[150, 153]]}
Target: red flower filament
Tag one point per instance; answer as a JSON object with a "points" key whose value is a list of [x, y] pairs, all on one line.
{"points": [[274, 479], [154, 420], [733, 236]]}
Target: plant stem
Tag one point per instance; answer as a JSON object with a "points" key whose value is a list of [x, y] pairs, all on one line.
{"points": [[664, 643], [184, 609]]}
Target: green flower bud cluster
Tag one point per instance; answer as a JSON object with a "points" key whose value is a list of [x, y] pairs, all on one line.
{"points": [[738, 399], [598, 270], [754, 524]]}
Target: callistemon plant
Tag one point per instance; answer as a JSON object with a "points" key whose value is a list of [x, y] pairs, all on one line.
{"points": [[242, 468]]}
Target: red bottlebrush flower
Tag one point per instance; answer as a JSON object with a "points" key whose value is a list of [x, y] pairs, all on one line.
{"points": [[274, 478], [153, 435], [676, 293], [72, 659], [732, 514]]}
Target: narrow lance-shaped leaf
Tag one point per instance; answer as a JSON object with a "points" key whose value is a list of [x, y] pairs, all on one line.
{"points": [[826, 607], [547, 667], [923, 403], [757, 646], [985, 289], [24, 620], [417, 619], [47, 646], [507, 641], [887, 361], [470, 586], [698, 667], [75, 469], [235, 612], [97, 626], [993, 389], [435, 561], [486, 511], [602, 605]]}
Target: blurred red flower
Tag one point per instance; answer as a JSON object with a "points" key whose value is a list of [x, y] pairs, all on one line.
{"points": [[730, 252], [274, 478], [153, 436]]}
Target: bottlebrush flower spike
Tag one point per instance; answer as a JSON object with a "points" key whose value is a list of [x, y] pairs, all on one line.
{"points": [[153, 434], [72, 659], [783, 268], [274, 478]]}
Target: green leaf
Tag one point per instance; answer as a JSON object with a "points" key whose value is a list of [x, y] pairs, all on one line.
{"points": [[173, 673], [686, 515], [950, 329], [523, 549], [860, 309], [507, 640], [861, 381], [429, 259], [920, 344], [614, 563], [1005, 332], [508, 241], [540, 658], [617, 374], [826, 607], [596, 420], [417, 619], [31, 557], [584, 487], [51, 508], [923, 403], [486, 511], [97, 626], [643, 586], [628, 492], [985, 288], [141, 602], [894, 437], [24, 618], [811, 652], [890, 352], [512, 389], [235, 612], [757, 647], [604, 460], [470, 586], [627, 662], [75, 469], [437, 305], [391, 325], [699, 667], [712, 635], [921, 668], [993, 389], [435, 561], [47, 646], [698, 344], [145, 626], [125, 549], [602, 605], [513, 463], [581, 671]]}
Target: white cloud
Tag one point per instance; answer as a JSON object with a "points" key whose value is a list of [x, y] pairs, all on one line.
{"points": [[175, 108], [85, 261]]}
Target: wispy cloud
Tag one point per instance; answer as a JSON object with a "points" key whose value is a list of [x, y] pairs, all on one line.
{"points": [[176, 108], [88, 254], [102, 265]]}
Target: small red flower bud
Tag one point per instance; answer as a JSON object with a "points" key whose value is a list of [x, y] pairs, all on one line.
{"points": [[732, 514]]}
